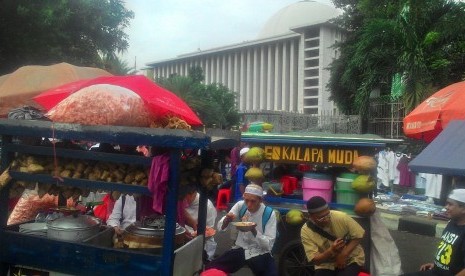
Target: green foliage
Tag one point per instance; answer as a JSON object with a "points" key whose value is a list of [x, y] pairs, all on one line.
{"points": [[116, 66], [51, 31], [214, 103], [421, 39]]}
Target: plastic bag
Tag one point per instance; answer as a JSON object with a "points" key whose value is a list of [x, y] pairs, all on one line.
{"points": [[102, 104], [29, 205], [384, 257], [26, 113]]}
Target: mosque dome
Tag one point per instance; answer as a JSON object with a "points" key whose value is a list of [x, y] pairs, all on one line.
{"points": [[297, 14]]}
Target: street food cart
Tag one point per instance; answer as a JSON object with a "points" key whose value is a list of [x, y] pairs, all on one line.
{"points": [[320, 150], [78, 257]]}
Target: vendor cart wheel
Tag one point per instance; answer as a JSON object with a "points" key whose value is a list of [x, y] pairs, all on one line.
{"points": [[292, 260]]}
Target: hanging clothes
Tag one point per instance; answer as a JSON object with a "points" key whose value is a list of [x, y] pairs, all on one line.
{"points": [[397, 157], [406, 177], [158, 181], [433, 184], [392, 164], [382, 170]]}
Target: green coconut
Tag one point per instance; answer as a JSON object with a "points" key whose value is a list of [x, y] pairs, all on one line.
{"points": [[363, 184], [294, 217], [254, 155], [254, 174]]}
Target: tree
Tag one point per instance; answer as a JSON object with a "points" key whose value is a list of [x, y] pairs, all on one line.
{"points": [[116, 66], [214, 103], [422, 40], [50, 31]]}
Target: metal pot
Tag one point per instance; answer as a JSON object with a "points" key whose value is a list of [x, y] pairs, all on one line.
{"points": [[136, 235], [73, 228]]}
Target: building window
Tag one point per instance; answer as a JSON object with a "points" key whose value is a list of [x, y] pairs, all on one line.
{"points": [[311, 92], [311, 102], [312, 111], [311, 63], [311, 73], [311, 82], [312, 53], [312, 33], [312, 43]]}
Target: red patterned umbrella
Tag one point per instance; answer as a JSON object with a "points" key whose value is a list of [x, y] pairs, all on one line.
{"points": [[160, 101], [433, 115]]}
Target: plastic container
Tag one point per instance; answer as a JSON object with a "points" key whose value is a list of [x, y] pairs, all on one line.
{"points": [[289, 184], [321, 176], [344, 183], [327, 194], [347, 197], [349, 175], [315, 184], [272, 188]]}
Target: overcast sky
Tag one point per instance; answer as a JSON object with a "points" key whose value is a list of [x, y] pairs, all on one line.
{"points": [[164, 29]]}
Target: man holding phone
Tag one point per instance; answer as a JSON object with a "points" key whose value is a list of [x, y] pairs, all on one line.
{"points": [[331, 240]]}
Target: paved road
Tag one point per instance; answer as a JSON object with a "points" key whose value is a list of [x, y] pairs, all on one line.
{"points": [[414, 250]]}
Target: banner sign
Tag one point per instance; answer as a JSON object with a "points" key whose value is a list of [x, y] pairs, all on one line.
{"points": [[334, 156]]}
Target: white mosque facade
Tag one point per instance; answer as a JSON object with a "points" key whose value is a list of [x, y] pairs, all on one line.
{"points": [[285, 69]]}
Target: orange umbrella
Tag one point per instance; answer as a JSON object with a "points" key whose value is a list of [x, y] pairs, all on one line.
{"points": [[17, 88], [433, 115]]}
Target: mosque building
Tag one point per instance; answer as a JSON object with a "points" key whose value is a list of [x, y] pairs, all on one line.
{"points": [[284, 69]]}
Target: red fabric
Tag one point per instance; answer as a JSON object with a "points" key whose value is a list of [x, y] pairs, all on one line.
{"points": [[104, 210], [158, 181], [235, 160], [160, 101]]}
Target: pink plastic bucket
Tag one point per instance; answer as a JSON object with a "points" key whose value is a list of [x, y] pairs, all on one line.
{"points": [[317, 185]]}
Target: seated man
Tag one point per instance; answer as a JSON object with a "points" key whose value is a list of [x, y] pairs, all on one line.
{"points": [[191, 199], [450, 255], [123, 213], [128, 209], [331, 240], [252, 247]]}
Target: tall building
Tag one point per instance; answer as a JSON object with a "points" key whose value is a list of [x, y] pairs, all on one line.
{"points": [[284, 69]]}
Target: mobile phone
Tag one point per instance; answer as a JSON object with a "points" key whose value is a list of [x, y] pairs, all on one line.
{"points": [[346, 238]]}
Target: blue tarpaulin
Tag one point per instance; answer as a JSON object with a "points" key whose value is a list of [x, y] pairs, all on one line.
{"points": [[446, 154]]}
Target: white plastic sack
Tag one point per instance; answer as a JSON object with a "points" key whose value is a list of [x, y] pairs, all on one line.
{"points": [[384, 257], [102, 104]]}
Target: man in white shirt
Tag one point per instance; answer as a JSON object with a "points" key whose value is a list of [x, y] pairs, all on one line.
{"points": [[251, 247], [123, 216], [191, 199]]}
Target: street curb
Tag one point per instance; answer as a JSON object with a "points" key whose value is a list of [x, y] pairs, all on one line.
{"points": [[413, 224]]}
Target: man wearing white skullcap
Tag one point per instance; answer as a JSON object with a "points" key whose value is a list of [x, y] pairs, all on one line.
{"points": [[252, 247], [241, 181], [450, 255]]}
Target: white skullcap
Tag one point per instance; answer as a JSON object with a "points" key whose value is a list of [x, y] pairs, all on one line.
{"points": [[254, 189], [458, 195], [243, 151]]}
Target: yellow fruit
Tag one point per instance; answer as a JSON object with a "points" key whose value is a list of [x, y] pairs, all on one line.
{"points": [[364, 164], [254, 174], [363, 184], [255, 154], [365, 207], [294, 217]]}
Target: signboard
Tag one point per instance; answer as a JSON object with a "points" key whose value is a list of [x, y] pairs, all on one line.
{"points": [[334, 156]]}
